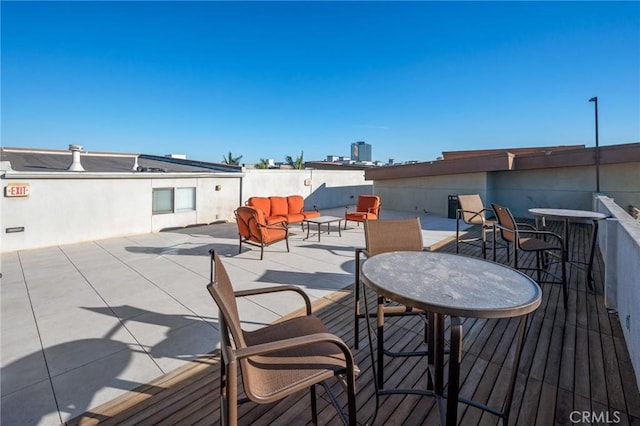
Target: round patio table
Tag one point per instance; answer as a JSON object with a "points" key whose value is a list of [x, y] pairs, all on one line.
{"points": [[459, 286]]}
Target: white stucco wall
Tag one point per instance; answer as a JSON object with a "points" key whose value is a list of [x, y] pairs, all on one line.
{"points": [[620, 246], [326, 189], [63, 208]]}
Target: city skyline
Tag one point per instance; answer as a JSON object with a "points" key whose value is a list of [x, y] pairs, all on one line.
{"points": [[271, 79]]}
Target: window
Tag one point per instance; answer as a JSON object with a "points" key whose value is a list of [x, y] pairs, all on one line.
{"points": [[185, 199], [162, 200], [170, 200]]}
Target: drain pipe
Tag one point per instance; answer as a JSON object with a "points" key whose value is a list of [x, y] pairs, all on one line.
{"points": [[75, 166]]}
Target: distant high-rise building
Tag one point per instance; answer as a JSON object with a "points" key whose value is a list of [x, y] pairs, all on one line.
{"points": [[361, 151]]}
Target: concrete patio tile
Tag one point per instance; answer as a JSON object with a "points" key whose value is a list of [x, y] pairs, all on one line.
{"points": [[46, 308], [280, 303], [32, 405], [70, 343], [174, 347], [22, 367], [100, 381]]}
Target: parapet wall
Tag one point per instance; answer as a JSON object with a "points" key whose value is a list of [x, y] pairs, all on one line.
{"points": [[619, 242]]}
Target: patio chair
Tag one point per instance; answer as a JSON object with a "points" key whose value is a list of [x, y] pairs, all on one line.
{"points": [[472, 212], [383, 236], [253, 229], [277, 360], [367, 208], [526, 238]]}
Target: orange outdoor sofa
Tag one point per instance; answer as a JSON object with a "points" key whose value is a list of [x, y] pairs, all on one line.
{"points": [[282, 209]]}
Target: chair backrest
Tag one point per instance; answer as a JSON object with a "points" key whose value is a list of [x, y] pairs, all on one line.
{"points": [[222, 292], [506, 221], [296, 203], [279, 206], [387, 235], [369, 203], [473, 209], [248, 219], [262, 203]]}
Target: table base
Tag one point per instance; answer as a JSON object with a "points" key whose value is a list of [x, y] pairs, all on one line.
{"points": [[435, 369]]}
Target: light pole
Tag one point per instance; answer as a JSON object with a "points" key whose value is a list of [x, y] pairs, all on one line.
{"points": [[595, 101]]}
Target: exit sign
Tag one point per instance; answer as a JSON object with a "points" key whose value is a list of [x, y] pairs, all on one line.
{"points": [[16, 190]]}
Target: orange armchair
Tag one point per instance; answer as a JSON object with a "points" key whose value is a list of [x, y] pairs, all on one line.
{"points": [[367, 208], [253, 229]]}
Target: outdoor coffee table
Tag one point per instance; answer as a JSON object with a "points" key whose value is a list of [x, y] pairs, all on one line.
{"points": [[322, 220], [444, 284]]}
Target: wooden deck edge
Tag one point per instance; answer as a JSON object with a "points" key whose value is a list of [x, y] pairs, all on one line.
{"points": [[441, 243], [183, 374], [136, 396]]}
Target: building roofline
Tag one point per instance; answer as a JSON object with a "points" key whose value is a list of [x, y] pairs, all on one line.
{"points": [[506, 160]]}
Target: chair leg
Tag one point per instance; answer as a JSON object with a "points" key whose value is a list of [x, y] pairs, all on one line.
{"points": [[565, 290], [240, 246], [484, 243], [380, 345], [356, 308], [232, 395], [351, 397], [314, 407], [458, 234]]}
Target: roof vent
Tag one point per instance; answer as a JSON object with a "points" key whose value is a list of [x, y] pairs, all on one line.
{"points": [[75, 166]]}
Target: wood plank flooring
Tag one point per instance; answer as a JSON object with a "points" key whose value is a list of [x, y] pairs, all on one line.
{"points": [[573, 361]]}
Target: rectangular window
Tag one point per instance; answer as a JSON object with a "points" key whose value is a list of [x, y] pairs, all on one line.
{"points": [[162, 200], [185, 199]]}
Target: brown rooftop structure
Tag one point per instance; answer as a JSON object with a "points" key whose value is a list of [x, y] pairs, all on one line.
{"points": [[509, 159]]}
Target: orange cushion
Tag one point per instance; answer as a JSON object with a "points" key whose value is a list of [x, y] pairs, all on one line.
{"points": [[262, 203], [273, 234], [296, 203], [311, 214], [279, 206], [360, 216], [366, 202], [295, 217], [275, 219]]}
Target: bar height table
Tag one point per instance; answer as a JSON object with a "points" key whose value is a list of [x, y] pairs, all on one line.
{"points": [[459, 286], [566, 215]]}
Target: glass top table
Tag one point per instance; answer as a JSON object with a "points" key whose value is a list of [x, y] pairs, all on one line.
{"points": [[322, 220], [447, 284]]}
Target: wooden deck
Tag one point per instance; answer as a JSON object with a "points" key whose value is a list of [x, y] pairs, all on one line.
{"points": [[573, 361]]}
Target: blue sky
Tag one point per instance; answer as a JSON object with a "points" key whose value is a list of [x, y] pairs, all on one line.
{"points": [[270, 79]]}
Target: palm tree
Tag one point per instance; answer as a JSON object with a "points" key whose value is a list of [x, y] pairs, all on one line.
{"points": [[263, 164], [298, 163], [231, 160]]}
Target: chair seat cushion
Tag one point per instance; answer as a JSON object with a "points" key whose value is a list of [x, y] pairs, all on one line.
{"points": [[536, 244], [360, 216], [295, 217], [311, 214], [266, 373], [275, 219]]}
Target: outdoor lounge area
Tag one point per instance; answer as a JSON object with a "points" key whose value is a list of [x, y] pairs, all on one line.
{"points": [[140, 356]]}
